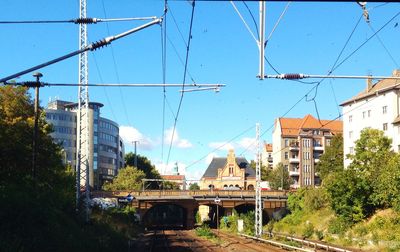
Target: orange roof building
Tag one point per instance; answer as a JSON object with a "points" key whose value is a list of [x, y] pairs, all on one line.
{"points": [[298, 144]]}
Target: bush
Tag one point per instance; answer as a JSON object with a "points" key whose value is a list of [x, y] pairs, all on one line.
{"points": [[319, 234], [205, 231], [308, 230], [338, 226]]}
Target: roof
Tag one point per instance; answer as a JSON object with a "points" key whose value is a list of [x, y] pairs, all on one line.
{"points": [[173, 177], [292, 126], [220, 162], [383, 85]]}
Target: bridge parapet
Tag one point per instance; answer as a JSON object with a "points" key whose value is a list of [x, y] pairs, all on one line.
{"points": [[194, 193]]}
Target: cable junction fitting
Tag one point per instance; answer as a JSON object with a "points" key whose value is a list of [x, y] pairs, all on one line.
{"points": [[297, 76]]}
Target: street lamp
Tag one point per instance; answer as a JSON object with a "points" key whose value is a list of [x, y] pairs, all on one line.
{"points": [[217, 201]]}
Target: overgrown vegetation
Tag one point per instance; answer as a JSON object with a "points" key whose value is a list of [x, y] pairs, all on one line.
{"points": [[205, 231], [38, 212], [357, 206]]}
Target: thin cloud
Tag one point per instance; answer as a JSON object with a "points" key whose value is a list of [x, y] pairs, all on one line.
{"points": [[130, 134], [177, 141]]}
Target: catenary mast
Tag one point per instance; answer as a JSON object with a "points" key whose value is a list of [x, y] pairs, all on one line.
{"points": [[82, 152]]}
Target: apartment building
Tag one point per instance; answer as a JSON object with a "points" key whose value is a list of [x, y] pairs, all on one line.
{"points": [[299, 142], [266, 155], [378, 107], [106, 148]]}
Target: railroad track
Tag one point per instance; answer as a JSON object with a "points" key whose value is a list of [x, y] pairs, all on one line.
{"points": [[242, 244]]}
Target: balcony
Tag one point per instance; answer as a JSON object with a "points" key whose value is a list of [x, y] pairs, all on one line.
{"points": [[316, 160], [295, 172], [294, 146], [294, 159], [318, 147]]}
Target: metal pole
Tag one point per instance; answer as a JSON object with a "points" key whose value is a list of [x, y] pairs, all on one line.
{"points": [[35, 130], [262, 39], [217, 218], [258, 206], [135, 143]]}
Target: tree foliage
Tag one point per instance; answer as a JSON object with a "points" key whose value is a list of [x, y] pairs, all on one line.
{"points": [[145, 165], [370, 182], [280, 178], [194, 187], [332, 159], [128, 178]]}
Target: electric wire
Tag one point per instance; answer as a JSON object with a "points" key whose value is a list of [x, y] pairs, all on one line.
{"points": [[252, 17], [177, 26], [244, 22], [277, 22], [222, 145], [184, 79], [116, 69], [104, 88], [164, 70], [383, 45]]}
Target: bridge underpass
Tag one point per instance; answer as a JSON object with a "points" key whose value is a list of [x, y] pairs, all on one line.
{"points": [[156, 206]]}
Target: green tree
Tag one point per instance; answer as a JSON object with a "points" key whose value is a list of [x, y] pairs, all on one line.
{"points": [[265, 171], [332, 159], [128, 178], [194, 187], [371, 180], [280, 178], [145, 165]]}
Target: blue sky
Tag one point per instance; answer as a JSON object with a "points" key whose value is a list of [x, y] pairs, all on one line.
{"points": [[308, 40]]}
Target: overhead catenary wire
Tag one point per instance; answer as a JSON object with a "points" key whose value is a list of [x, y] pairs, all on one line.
{"points": [[116, 69], [184, 79], [77, 20], [164, 71], [91, 47]]}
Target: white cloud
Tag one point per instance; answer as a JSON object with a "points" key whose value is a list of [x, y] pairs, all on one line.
{"points": [[221, 146], [247, 143], [130, 134], [177, 141]]}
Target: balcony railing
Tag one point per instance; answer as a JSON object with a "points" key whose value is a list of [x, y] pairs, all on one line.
{"points": [[294, 173], [294, 159], [318, 147], [294, 146]]}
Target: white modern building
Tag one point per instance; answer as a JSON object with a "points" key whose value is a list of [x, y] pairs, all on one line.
{"points": [[378, 107], [106, 148]]}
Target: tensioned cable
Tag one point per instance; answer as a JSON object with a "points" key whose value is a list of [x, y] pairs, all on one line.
{"points": [[104, 89], [334, 68], [184, 79], [277, 22], [164, 70], [180, 58], [252, 17], [219, 147], [116, 69], [244, 22], [384, 47], [310, 90], [177, 26]]}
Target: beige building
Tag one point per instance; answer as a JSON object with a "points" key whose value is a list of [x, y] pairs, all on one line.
{"points": [[230, 173], [266, 156], [299, 142]]}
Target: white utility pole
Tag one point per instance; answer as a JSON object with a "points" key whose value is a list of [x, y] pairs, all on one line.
{"points": [[259, 205], [261, 42], [82, 148]]}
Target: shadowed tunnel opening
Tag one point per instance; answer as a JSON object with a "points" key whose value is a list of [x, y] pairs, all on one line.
{"points": [[166, 216]]}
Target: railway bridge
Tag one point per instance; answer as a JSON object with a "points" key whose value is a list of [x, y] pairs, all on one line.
{"points": [[180, 206]]}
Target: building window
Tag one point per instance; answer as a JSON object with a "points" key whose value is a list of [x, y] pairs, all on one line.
{"points": [[350, 134], [230, 169], [306, 155], [286, 167], [286, 155], [369, 113], [286, 142], [350, 118], [363, 114], [328, 142], [306, 142], [384, 109], [351, 150], [385, 126]]}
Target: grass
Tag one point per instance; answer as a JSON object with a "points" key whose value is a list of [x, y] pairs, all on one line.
{"points": [[381, 232]]}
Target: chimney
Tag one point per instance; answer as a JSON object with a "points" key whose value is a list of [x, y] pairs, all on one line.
{"points": [[369, 83], [396, 73]]}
